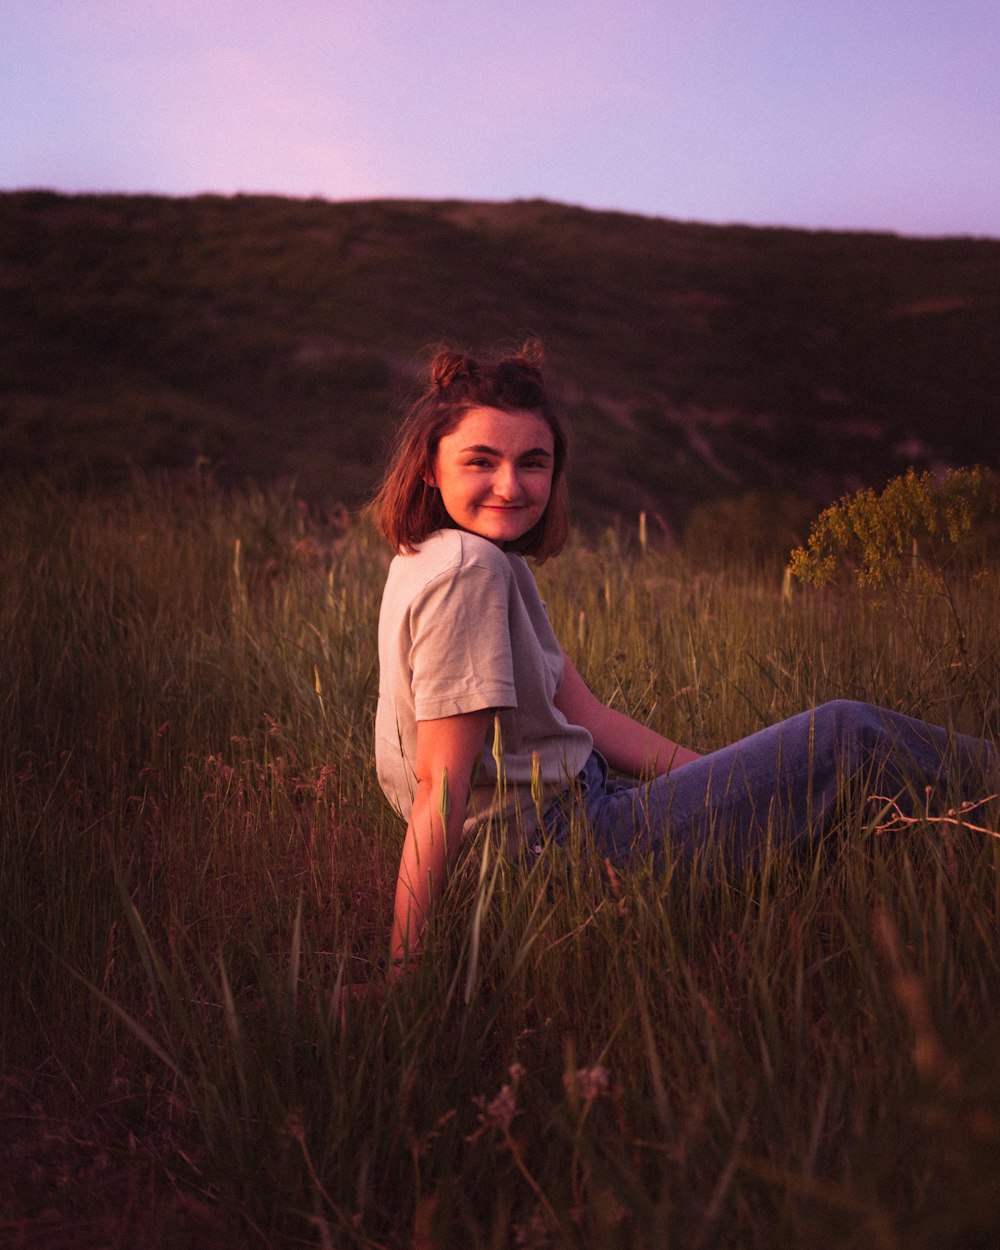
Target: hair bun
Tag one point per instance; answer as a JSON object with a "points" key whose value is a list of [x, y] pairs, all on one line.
{"points": [[532, 354], [448, 365]]}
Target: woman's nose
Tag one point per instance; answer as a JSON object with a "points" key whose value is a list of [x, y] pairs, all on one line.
{"points": [[507, 484]]}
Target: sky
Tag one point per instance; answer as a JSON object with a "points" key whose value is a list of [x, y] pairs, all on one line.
{"points": [[838, 114]]}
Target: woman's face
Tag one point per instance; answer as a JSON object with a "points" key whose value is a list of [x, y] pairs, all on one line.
{"points": [[494, 472]]}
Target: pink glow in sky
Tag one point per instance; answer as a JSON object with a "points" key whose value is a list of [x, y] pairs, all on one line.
{"points": [[847, 114]]}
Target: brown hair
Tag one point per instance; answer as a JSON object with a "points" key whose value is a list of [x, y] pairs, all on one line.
{"points": [[407, 509]]}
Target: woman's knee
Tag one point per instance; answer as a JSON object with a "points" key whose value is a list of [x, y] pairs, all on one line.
{"points": [[846, 709], [848, 732], [849, 718]]}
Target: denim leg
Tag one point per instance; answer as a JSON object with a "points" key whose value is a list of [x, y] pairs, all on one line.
{"points": [[785, 778]]}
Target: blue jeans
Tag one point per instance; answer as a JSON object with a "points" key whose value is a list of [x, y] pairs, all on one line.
{"points": [[784, 780]]}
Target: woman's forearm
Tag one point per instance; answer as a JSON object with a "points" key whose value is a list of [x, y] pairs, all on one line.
{"points": [[634, 748], [446, 752], [423, 866], [626, 744]]}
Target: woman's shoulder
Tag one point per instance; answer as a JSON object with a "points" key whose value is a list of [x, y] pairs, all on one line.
{"points": [[454, 548], [445, 554]]}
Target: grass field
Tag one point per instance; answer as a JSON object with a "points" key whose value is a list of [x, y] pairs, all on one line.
{"points": [[196, 861]]}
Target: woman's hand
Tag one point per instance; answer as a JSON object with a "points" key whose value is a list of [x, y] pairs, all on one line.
{"points": [[399, 969]]}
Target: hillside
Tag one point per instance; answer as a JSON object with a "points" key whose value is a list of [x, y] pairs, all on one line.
{"points": [[271, 338]]}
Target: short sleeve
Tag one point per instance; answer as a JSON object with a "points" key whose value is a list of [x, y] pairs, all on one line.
{"points": [[460, 648]]}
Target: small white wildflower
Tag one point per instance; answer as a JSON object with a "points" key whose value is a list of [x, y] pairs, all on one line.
{"points": [[500, 1111], [534, 1234], [592, 1082]]}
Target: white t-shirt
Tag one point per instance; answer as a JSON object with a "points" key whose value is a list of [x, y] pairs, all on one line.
{"points": [[462, 627]]}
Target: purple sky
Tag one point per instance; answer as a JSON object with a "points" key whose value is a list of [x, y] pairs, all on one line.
{"points": [[867, 114]]}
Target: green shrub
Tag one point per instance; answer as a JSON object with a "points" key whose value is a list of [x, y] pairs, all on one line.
{"points": [[915, 526]]}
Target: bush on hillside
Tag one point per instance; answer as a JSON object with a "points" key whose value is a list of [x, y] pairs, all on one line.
{"points": [[914, 527]]}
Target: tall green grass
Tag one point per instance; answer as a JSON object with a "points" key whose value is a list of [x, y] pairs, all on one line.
{"points": [[197, 865]]}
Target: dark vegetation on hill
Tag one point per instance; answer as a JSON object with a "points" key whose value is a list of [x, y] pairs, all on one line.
{"points": [[264, 338]]}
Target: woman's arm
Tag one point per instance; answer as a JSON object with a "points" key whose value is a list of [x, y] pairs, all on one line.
{"points": [[447, 751], [626, 745]]}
